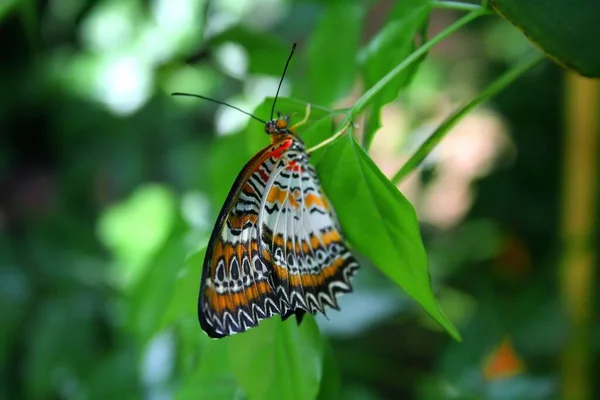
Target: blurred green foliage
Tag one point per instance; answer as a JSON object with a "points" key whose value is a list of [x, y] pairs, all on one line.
{"points": [[109, 188]]}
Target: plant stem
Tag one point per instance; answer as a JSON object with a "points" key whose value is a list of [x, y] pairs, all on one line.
{"points": [[578, 231], [370, 94], [330, 139], [456, 5], [499, 84]]}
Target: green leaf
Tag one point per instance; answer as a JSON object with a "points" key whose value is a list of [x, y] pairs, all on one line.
{"points": [[6, 6], [150, 298], [393, 43], [387, 49], [30, 19], [278, 360], [392, 241], [212, 379], [332, 62], [120, 368], [52, 348], [184, 301], [331, 382], [317, 132], [566, 30]]}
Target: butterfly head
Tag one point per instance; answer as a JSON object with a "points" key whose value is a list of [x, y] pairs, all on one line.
{"points": [[279, 126]]}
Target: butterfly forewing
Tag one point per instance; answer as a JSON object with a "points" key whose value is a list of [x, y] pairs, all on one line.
{"points": [[276, 248], [236, 289]]}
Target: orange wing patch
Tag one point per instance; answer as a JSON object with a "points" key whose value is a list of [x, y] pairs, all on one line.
{"points": [[315, 280], [233, 301], [312, 200], [238, 222], [302, 246], [281, 195]]}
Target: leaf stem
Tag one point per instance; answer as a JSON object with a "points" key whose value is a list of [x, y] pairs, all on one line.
{"points": [[496, 86], [457, 5], [330, 139], [370, 94]]}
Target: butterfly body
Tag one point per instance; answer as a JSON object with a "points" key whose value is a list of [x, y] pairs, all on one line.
{"points": [[277, 248]]}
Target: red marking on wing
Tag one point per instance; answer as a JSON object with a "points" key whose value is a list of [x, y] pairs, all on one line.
{"points": [[295, 167], [275, 151], [280, 149], [263, 175]]}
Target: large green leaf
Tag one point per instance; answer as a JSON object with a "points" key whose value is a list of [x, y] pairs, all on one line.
{"points": [[278, 360], [332, 62], [566, 30], [331, 381], [378, 221], [387, 49], [212, 378]]}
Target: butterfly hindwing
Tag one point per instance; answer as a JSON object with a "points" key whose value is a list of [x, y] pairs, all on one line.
{"points": [[310, 260]]}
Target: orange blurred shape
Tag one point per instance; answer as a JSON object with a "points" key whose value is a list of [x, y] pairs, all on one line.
{"points": [[504, 362], [513, 264]]}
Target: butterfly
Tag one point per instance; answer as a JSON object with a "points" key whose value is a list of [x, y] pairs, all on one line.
{"points": [[277, 247]]}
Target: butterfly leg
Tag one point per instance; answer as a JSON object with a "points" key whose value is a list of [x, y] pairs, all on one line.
{"points": [[306, 115]]}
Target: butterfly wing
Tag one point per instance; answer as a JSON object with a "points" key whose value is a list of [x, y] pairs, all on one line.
{"points": [[300, 234], [236, 291], [276, 248]]}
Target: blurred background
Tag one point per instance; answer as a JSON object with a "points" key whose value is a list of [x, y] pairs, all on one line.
{"points": [[107, 183]]}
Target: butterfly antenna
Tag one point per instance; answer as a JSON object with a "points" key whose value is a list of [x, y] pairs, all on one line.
{"points": [[219, 102], [281, 81]]}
